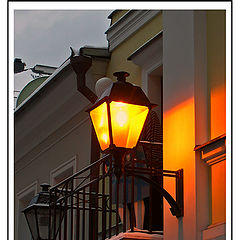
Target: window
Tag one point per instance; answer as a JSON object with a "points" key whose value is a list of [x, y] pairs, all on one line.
{"points": [[63, 171]]}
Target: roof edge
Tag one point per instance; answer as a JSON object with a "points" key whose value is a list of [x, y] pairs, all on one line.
{"points": [[42, 87]]}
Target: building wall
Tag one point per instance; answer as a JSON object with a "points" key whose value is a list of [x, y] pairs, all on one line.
{"points": [[120, 54], [179, 118], [194, 112], [194, 109], [216, 65], [58, 138], [70, 142]]}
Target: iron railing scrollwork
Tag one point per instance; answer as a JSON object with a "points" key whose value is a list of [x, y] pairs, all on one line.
{"points": [[87, 214]]}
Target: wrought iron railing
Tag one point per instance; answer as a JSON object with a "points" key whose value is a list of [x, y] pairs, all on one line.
{"points": [[86, 205]]}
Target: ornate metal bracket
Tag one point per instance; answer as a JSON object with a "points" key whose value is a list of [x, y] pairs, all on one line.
{"points": [[177, 206]]}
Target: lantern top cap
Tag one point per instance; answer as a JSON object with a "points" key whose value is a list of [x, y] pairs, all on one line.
{"points": [[123, 91], [45, 187], [121, 76]]}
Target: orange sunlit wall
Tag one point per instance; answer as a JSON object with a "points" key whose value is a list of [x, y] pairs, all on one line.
{"points": [[179, 139], [216, 70], [218, 192], [216, 73]]}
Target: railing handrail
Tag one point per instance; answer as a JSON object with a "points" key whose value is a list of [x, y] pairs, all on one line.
{"points": [[80, 172], [82, 187]]}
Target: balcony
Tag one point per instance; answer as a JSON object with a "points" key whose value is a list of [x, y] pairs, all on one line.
{"points": [[94, 204]]}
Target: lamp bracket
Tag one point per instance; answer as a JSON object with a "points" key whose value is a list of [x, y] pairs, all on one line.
{"points": [[177, 205]]}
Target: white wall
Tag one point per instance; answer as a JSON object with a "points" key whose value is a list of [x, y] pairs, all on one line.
{"points": [[178, 118]]}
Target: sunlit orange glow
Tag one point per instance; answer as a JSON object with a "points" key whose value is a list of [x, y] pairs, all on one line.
{"points": [[218, 111], [179, 134], [178, 145], [218, 192], [100, 123], [127, 123]]}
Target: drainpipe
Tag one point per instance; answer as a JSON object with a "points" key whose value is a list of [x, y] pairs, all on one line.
{"points": [[80, 64]]}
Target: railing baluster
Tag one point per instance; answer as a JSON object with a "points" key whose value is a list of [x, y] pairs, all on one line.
{"points": [[65, 213], [91, 217], [83, 216], [78, 217], [49, 218], [96, 217], [60, 218], [150, 207], [110, 199], [54, 215], [132, 198], [103, 205], [117, 206], [71, 213], [124, 199]]}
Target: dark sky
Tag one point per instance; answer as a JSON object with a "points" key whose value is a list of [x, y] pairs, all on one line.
{"points": [[45, 36]]}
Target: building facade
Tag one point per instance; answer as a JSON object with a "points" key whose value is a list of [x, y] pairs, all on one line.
{"points": [[178, 59]]}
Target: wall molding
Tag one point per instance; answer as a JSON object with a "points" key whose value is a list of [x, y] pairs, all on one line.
{"points": [[27, 190], [213, 151], [148, 51], [128, 24], [214, 232], [51, 145], [71, 163]]}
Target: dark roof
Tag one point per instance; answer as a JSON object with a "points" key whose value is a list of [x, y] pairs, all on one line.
{"points": [[66, 66]]}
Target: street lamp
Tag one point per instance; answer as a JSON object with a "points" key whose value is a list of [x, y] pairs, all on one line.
{"points": [[37, 215], [118, 117]]}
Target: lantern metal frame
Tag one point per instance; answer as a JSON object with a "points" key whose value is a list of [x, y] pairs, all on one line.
{"points": [[40, 201], [125, 92]]}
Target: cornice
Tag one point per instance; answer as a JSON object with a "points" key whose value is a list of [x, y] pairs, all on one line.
{"points": [[213, 151], [128, 24]]}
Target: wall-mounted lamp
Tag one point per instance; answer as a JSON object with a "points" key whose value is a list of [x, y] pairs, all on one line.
{"points": [[118, 116]]}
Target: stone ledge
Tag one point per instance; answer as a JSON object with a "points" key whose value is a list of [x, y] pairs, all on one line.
{"points": [[216, 231], [136, 235]]}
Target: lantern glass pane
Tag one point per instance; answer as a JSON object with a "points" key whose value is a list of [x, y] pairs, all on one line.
{"points": [[99, 118], [127, 122], [31, 219], [43, 220]]}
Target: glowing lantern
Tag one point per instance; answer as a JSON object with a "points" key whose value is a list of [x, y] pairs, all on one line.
{"points": [[119, 114]]}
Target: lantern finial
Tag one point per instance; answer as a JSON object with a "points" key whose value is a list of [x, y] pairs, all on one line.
{"points": [[121, 76], [45, 187]]}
